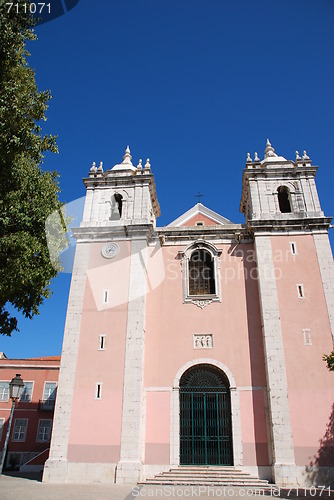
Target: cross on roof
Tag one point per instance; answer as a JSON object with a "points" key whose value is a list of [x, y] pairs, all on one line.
{"points": [[199, 195]]}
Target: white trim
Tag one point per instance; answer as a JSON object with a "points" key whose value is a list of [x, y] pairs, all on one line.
{"points": [[307, 336], [175, 412]]}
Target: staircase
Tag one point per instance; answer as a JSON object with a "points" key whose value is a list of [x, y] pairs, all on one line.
{"points": [[207, 476]]}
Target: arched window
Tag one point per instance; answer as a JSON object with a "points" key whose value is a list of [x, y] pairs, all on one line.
{"points": [[116, 206], [284, 199], [201, 273]]}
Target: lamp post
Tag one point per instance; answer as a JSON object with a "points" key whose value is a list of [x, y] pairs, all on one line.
{"points": [[15, 388]]}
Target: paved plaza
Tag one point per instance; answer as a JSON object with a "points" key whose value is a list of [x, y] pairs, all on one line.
{"points": [[18, 488]]}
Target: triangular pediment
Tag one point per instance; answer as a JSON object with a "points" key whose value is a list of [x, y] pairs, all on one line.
{"points": [[198, 214]]}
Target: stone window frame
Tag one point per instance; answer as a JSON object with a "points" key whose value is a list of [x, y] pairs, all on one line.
{"points": [[186, 255]]}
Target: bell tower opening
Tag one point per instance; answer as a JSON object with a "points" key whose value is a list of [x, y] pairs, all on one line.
{"points": [[284, 199]]}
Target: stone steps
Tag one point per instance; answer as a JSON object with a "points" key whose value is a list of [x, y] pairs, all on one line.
{"points": [[207, 476]]}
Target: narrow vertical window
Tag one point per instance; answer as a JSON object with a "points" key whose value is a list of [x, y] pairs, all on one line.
{"points": [[102, 342], [98, 391], [293, 248], [284, 199], [307, 337], [300, 291]]}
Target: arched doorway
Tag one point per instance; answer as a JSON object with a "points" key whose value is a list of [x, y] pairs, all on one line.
{"points": [[205, 417]]}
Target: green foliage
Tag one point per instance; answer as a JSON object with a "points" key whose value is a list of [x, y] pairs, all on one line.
{"points": [[28, 195], [329, 360]]}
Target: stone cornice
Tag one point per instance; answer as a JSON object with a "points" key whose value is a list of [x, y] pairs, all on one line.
{"points": [[108, 233], [308, 224]]}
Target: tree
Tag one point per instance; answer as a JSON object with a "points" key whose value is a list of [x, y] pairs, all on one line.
{"points": [[329, 360], [28, 195]]}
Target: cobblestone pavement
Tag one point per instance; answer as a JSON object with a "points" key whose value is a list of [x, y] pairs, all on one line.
{"points": [[17, 488]]}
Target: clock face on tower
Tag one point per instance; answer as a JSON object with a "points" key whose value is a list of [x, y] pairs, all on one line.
{"points": [[110, 250]]}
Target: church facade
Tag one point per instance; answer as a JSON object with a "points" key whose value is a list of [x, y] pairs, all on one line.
{"points": [[199, 343]]}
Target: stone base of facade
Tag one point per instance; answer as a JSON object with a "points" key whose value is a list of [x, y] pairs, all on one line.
{"points": [[61, 471], [129, 472], [293, 476]]}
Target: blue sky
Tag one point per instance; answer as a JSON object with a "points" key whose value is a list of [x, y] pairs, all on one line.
{"points": [[193, 85]]}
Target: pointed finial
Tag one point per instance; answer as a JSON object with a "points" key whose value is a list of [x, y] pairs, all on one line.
{"points": [[140, 166], [100, 169], [249, 159], [256, 158], [127, 157], [147, 164], [305, 157], [93, 167], [269, 151], [297, 156]]}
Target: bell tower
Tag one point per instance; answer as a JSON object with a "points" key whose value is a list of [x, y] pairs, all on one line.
{"points": [[283, 213], [107, 306]]}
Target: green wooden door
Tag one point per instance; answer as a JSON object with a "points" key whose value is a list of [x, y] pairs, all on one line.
{"points": [[205, 418]]}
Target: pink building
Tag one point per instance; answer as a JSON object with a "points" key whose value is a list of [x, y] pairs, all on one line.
{"points": [[29, 440], [199, 343]]}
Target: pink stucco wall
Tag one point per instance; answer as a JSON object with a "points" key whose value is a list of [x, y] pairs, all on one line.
{"points": [[236, 327], [157, 428], [95, 431], [310, 384]]}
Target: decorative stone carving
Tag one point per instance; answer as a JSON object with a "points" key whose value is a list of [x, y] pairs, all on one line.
{"points": [[203, 341], [201, 303], [110, 250]]}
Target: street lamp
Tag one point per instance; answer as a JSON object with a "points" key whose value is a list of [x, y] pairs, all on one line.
{"points": [[15, 388]]}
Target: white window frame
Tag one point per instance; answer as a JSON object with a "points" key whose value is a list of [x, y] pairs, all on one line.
{"points": [[4, 394], [2, 425], [186, 255], [44, 399], [29, 399], [102, 342], [19, 431], [307, 336], [98, 391], [40, 423], [300, 291]]}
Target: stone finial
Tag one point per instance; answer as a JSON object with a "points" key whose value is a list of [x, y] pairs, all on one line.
{"points": [[269, 151], [305, 157], [140, 165], [100, 169], [127, 157], [249, 159], [93, 168], [256, 158], [297, 156], [147, 165]]}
